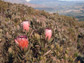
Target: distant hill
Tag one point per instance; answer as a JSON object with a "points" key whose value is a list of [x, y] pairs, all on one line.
{"points": [[75, 9]]}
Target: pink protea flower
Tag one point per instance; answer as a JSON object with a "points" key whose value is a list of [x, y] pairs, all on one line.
{"points": [[48, 33], [22, 41], [26, 25]]}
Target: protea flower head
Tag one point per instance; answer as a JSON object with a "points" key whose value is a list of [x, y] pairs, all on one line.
{"points": [[48, 33], [22, 41], [26, 25]]}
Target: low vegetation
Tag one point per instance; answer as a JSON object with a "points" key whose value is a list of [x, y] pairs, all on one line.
{"points": [[65, 45]]}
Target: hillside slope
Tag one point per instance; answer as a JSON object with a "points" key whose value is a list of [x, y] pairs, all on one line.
{"points": [[65, 45]]}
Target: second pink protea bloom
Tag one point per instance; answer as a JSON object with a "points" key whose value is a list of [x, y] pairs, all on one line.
{"points": [[22, 41], [26, 25], [48, 33]]}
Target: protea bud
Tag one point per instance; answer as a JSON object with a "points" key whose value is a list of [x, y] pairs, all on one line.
{"points": [[22, 41], [48, 33], [26, 25]]}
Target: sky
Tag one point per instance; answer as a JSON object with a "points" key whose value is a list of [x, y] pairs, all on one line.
{"points": [[28, 0], [59, 0], [71, 0]]}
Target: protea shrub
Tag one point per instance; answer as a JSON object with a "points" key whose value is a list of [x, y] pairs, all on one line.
{"points": [[22, 41], [48, 33], [25, 25]]}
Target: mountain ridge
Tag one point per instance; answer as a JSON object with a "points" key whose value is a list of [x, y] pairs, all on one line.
{"points": [[16, 1]]}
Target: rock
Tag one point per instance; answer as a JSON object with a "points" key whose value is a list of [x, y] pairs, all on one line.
{"points": [[0, 40], [1, 30], [10, 50], [37, 36]]}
